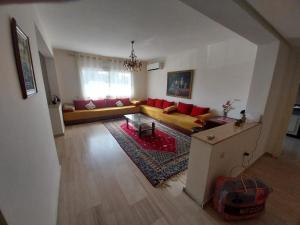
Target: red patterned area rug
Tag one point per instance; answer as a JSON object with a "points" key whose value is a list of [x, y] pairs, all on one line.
{"points": [[159, 157], [161, 141]]}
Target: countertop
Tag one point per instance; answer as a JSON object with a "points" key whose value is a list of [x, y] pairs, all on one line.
{"points": [[223, 132]]}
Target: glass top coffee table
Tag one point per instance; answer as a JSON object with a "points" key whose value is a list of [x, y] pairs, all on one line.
{"points": [[140, 123]]}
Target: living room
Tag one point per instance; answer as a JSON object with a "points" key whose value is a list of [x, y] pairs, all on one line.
{"points": [[114, 139]]}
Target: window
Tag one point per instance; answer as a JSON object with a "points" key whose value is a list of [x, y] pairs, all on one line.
{"points": [[100, 79]]}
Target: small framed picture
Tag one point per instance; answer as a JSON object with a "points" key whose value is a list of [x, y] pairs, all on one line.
{"points": [[23, 60], [180, 84]]}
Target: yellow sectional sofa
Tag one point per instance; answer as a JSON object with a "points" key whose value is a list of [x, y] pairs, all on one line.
{"points": [[180, 121], [81, 116], [177, 120]]}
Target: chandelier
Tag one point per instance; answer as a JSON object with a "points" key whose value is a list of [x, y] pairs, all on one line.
{"points": [[132, 64]]}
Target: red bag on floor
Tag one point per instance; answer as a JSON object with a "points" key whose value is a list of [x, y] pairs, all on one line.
{"points": [[240, 198]]}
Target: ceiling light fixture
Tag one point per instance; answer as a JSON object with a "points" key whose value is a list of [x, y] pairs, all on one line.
{"points": [[133, 64]]}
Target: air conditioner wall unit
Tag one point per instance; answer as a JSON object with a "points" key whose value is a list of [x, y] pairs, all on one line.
{"points": [[154, 66]]}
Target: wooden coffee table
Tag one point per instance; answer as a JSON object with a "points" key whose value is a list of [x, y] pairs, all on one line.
{"points": [[140, 124]]}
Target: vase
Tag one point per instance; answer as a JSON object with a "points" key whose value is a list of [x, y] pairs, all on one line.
{"points": [[225, 114]]}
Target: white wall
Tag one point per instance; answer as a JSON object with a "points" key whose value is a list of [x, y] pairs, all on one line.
{"points": [[69, 82], [52, 76], [281, 100], [262, 78], [29, 168], [240, 18], [223, 71]]}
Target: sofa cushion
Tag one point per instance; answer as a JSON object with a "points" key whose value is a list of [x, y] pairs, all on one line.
{"points": [[167, 104], [81, 115], [205, 116], [111, 102], [151, 102], [170, 109], [197, 110], [119, 103], [185, 122], [184, 108], [100, 103], [80, 104], [90, 105], [159, 103], [125, 101]]}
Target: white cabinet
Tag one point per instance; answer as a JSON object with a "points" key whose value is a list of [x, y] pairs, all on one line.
{"points": [[294, 125], [56, 117]]}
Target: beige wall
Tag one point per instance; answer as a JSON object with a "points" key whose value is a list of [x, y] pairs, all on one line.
{"points": [[223, 71], [281, 98], [29, 168], [69, 82]]}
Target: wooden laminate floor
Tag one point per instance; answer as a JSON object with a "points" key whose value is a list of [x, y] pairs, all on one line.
{"points": [[100, 185]]}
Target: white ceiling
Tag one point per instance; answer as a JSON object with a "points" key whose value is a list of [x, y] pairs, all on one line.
{"points": [[106, 27], [284, 15]]}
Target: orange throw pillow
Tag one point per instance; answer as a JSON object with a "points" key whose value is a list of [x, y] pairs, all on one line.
{"points": [[170, 109]]}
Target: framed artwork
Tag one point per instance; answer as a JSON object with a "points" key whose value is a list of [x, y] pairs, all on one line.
{"points": [[180, 84], [23, 60]]}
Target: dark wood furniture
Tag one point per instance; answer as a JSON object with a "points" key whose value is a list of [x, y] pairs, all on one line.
{"points": [[139, 123], [218, 121]]}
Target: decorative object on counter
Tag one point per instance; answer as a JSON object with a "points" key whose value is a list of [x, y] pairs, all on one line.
{"points": [[243, 114], [23, 59], [227, 107], [241, 121], [211, 137], [55, 100], [240, 198]]}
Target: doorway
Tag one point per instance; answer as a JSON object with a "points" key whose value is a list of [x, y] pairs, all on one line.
{"points": [[291, 145]]}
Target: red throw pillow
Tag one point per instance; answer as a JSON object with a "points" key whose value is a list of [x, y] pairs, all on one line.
{"points": [[151, 102], [197, 110], [80, 104], [184, 108], [158, 103], [111, 102], [167, 104], [100, 103], [125, 101]]}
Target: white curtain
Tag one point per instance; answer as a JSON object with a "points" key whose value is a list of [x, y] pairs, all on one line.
{"points": [[102, 78]]}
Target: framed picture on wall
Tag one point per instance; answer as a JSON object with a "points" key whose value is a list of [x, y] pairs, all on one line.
{"points": [[23, 60], [180, 83]]}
